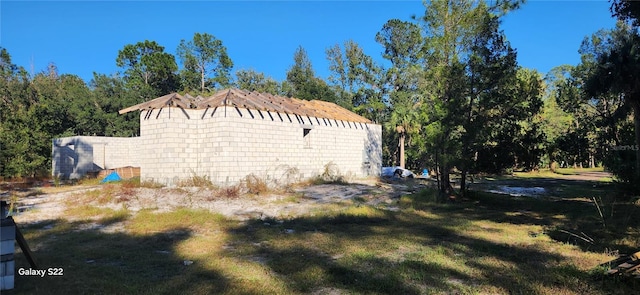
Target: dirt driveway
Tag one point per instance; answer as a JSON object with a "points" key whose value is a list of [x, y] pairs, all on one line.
{"points": [[587, 176], [556, 185]]}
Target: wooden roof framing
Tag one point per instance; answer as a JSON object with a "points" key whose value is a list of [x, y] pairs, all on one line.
{"points": [[169, 100], [253, 101]]}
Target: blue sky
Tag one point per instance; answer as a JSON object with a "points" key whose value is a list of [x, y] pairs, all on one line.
{"points": [[82, 37]]}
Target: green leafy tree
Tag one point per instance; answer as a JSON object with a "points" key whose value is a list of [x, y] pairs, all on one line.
{"points": [[586, 119], [301, 76], [403, 127], [403, 47], [616, 72], [16, 97], [599, 95], [356, 78], [302, 82], [256, 81], [449, 28], [626, 10], [148, 69], [48, 106], [206, 63], [112, 95], [553, 120], [85, 112], [14, 86], [473, 92], [25, 147]]}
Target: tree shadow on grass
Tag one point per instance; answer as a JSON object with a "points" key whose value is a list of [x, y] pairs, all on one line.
{"points": [[367, 255], [97, 260], [579, 221]]}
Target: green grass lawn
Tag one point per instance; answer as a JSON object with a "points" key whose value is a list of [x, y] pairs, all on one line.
{"points": [[489, 244]]}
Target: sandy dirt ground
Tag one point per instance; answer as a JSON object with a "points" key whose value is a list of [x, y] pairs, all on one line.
{"points": [[279, 205], [296, 202]]}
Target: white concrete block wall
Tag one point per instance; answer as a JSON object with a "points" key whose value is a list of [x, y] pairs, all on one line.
{"points": [[73, 157], [226, 144], [170, 144]]}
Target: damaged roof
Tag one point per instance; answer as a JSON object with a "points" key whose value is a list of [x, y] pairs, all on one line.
{"points": [[254, 101]]}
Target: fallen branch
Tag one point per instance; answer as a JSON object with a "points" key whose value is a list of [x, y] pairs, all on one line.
{"points": [[584, 237]]}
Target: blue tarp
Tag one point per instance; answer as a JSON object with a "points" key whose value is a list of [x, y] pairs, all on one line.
{"points": [[113, 176]]}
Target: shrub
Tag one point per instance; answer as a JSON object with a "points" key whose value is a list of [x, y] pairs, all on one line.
{"points": [[255, 185], [621, 163], [285, 176], [196, 181], [229, 192], [331, 174]]}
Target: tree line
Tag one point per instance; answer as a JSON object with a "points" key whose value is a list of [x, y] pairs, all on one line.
{"points": [[452, 98]]}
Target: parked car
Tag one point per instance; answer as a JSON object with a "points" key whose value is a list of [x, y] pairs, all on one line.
{"points": [[397, 171]]}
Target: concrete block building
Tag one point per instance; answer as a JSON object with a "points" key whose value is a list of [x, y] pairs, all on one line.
{"points": [[73, 157], [228, 136]]}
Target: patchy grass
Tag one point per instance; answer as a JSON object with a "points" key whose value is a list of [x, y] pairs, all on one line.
{"points": [[151, 184], [291, 198], [120, 192], [196, 220], [196, 181], [490, 244], [542, 173], [64, 188], [87, 212], [575, 171], [135, 182]]}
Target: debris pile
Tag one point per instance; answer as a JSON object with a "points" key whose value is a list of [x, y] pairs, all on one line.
{"points": [[625, 266]]}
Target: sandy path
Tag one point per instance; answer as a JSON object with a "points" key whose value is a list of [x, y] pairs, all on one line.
{"points": [[587, 176]]}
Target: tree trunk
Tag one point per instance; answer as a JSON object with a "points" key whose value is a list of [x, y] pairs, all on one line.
{"points": [[402, 150], [445, 180], [446, 190], [437, 171], [636, 120], [463, 183], [202, 80]]}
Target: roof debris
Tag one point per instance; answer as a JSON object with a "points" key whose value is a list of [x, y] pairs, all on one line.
{"points": [[625, 266]]}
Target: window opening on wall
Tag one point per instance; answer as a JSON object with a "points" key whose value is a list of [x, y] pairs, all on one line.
{"points": [[306, 138]]}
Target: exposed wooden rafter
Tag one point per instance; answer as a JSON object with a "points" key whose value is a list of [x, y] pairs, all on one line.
{"points": [[252, 101]]}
